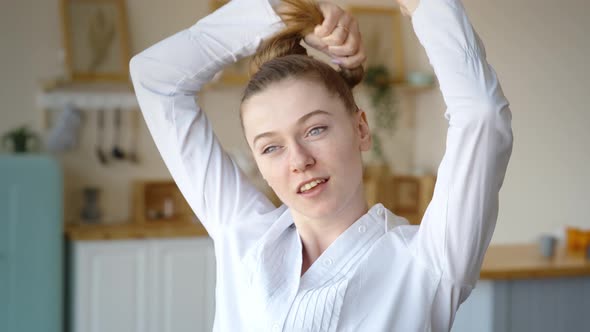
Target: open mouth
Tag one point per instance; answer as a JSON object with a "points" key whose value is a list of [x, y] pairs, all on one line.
{"points": [[312, 186]]}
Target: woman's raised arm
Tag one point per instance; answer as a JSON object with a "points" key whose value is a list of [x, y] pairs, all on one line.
{"points": [[167, 76], [459, 222]]}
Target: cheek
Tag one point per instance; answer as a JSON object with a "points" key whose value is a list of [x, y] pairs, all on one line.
{"points": [[345, 147], [272, 170], [347, 158]]}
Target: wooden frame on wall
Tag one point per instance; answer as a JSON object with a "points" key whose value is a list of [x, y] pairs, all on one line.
{"points": [[95, 39], [381, 30]]}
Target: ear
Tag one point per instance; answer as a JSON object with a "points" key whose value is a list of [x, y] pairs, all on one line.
{"points": [[363, 130]]}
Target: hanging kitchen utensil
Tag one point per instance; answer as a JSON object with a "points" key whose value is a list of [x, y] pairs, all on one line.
{"points": [[132, 152], [117, 151], [100, 153]]}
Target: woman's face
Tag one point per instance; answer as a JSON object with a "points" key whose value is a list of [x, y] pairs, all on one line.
{"points": [[299, 132]]}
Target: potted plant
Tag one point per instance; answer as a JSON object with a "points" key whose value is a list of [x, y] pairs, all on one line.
{"points": [[20, 140], [382, 96]]}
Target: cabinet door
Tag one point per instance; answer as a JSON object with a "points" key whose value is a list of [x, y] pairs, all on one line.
{"points": [[477, 312], [110, 286], [31, 247], [183, 284]]}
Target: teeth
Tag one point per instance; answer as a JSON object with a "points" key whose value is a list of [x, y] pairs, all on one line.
{"points": [[310, 185]]}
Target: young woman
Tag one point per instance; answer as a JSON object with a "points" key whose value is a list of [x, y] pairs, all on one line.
{"points": [[324, 260]]}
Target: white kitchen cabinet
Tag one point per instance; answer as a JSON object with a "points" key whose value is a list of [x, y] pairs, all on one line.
{"points": [[152, 285]]}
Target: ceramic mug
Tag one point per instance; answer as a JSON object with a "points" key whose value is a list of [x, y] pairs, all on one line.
{"points": [[547, 244]]}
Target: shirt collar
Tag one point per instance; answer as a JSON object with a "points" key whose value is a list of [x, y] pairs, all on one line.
{"points": [[345, 253]]}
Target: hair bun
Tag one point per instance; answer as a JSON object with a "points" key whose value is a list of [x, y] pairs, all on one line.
{"points": [[300, 18], [284, 43], [352, 76]]}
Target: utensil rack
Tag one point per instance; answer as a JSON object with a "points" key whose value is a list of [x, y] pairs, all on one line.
{"points": [[86, 97]]}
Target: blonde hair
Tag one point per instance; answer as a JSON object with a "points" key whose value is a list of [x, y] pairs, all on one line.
{"points": [[282, 56]]}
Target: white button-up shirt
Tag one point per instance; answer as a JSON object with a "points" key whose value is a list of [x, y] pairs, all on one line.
{"points": [[381, 274]]}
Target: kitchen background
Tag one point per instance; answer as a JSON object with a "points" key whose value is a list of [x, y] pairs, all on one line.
{"points": [[164, 275], [540, 50]]}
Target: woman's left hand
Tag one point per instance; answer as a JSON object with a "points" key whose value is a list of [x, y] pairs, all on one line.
{"points": [[338, 36]]}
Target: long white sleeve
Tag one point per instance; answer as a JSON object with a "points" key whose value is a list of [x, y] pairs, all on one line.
{"points": [[166, 77], [459, 222]]}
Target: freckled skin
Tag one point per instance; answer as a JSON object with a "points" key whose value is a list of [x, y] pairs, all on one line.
{"points": [[298, 152]]}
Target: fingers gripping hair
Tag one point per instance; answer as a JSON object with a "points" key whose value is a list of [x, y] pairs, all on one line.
{"points": [[300, 18]]}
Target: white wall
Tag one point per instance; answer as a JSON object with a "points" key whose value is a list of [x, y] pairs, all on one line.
{"points": [[537, 47], [540, 50]]}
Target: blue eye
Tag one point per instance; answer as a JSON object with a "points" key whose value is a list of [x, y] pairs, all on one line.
{"points": [[316, 131], [269, 149]]}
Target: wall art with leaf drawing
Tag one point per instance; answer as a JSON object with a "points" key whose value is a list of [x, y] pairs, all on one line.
{"points": [[95, 37], [382, 37]]}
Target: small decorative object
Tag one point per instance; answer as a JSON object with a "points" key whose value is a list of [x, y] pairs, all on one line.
{"points": [[577, 240], [64, 135], [547, 244], [168, 209], [95, 40], [21, 140], [417, 78], [91, 211], [160, 201]]}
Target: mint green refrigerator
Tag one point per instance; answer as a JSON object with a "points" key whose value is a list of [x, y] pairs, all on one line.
{"points": [[31, 244]]}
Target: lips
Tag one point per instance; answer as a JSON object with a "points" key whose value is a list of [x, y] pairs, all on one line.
{"points": [[309, 184]]}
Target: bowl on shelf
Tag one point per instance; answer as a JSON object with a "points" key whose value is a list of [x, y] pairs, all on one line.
{"points": [[420, 78]]}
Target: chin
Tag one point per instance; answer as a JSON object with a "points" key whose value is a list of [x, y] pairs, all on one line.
{"points": [[320, 210]]}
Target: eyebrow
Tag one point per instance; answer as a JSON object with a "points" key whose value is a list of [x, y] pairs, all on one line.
{"points": [[301, 120]]}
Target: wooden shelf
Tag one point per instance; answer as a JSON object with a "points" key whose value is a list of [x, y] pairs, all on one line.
{"points": [[509, 262], [171, 229], [406, 86], [413, 88], [87, 96]]}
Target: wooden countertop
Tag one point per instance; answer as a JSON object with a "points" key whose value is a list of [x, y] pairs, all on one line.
{"points": [[160, 229], [509, 262], [502, 262]]}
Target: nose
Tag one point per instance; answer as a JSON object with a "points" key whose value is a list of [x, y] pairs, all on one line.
{"points": [[300, 158]]}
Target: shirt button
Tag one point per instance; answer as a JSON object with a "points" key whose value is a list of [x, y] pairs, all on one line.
{"points": [[328, 262], [362, 228], [381, 211], [276, 328]]}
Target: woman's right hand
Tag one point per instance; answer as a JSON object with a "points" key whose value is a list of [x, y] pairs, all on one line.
{"points": [[338, 36]]}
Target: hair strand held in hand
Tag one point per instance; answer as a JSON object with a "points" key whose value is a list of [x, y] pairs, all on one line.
{"points": [[282, 55]]}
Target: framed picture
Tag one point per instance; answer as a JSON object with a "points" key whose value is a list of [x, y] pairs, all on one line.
{"points": [[407, 194], [96, 39], [382, 37], [236, 73]]}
